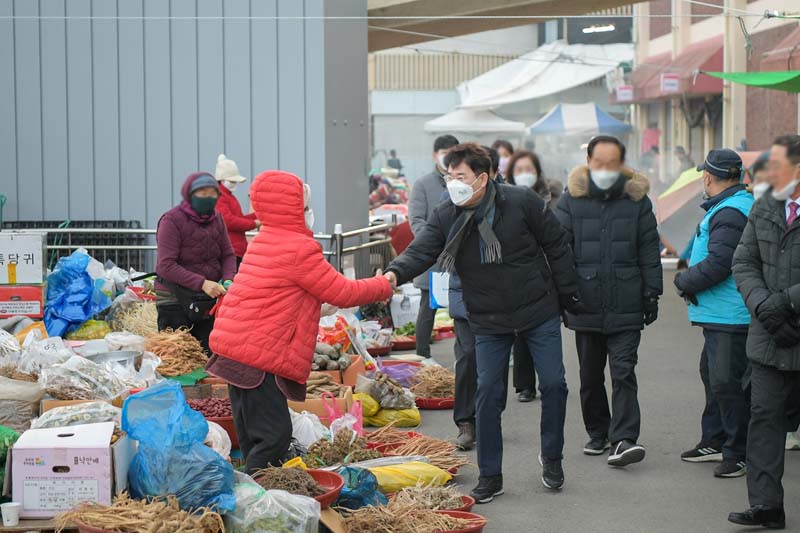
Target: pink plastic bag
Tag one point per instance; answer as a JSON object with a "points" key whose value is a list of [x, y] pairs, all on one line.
{"points": [[354, 419]]}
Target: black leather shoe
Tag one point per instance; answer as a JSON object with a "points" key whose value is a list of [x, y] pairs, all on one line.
{"points": [[527, 395], [767, 517], [488, 487]]}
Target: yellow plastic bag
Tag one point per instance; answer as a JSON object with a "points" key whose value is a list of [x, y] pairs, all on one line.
{"points": [[369, 406], [90, 330], [297, 462], [402, 418], [397, 477]]}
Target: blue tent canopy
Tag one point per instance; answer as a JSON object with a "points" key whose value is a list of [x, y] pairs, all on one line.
{"points": [[578, 119]]}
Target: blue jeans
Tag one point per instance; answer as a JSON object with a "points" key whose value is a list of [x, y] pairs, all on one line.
{"points": [[492, 354]]}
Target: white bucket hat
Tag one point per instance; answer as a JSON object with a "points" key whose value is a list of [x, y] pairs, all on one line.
{"points": [[227, 170]]}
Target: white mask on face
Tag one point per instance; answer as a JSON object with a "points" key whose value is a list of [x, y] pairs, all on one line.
{"points": [[604, 179], [503, 167], [230, 185], [309, 218], [440, 160], [526, 179], [760, 189], [460, 192], [786, 192]]}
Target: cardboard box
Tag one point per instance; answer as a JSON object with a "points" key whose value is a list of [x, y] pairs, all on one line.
{"points": [[23, 258], [22, 300], [318, 406], [52, 403], [350, 376], [54, 469]]}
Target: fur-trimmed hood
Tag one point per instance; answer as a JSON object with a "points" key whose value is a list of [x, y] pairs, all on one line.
{"points": [[636, 185]]}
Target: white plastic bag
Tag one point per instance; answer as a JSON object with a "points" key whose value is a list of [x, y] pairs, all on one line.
{"points": [[307, 428], [124, 341], [75, 415], [405, 306], [145, 377], [19, 403], [78, 374], [346, 421], [218, 440], [44, 353], [258, 510]]}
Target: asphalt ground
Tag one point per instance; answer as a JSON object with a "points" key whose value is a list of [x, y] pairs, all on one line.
{"points": [[661, 494]]}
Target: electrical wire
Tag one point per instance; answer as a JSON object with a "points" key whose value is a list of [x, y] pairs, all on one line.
{"points": [[732, 11]]}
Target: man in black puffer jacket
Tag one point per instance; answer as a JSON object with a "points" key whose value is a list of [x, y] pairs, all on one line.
{"points": [[517, 271], [612, 229]]}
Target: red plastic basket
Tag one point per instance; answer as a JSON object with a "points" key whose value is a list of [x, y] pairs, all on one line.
{"points": [[436, 404], [477, 522], [469, 503], [331, 482], [404, 345], [380, 352]]}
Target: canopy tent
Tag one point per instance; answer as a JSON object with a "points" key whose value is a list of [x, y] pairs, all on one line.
{"points": [[787, 80], [473, 121], [550, 69], [578, 119]]}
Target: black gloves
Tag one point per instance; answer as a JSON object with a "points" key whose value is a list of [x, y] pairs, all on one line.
{"points": [[687, 297], [774, 312], [787, 335], [571, 303], [650, 304]]}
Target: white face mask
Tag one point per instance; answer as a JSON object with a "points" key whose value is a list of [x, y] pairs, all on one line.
{"points": [[309, 218], [786, 192], [460, 192], [503, 164], [526, 179], [760, 189], [230, 185], [604, 179], [440, 160]]}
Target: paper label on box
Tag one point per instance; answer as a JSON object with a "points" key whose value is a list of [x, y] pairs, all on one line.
{"points": [[59, 494], [21, 258], [21, 308]]}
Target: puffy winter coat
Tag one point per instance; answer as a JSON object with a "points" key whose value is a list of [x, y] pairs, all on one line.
{"points": [[766, 261], [270, 317], [192, 248], [426, 194], [614, 238], [236, 221], [522, 292]]}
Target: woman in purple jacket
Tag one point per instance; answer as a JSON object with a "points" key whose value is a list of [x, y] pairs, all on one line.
{"points": [[195, 259]]}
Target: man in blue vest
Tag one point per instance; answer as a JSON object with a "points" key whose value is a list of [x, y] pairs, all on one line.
{"points": [[716, 305]]}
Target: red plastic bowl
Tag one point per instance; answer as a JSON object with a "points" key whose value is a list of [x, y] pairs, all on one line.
{"points": [[443, 335], [478, 522], [380, 352], [404, 345], [385, 448], [83, 528], [395, 362], [331, 482], [436, 403], [469, 503]]}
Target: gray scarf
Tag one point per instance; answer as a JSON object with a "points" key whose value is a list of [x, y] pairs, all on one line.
{"points": [[491, 251]]}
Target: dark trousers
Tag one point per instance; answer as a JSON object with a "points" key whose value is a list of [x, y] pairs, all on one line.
{"points": [[175, 316], [466, 373], [766, 438], [725, 371], [620, 349], [492, 354], [424, 324], [263, 424], [524, 373]]}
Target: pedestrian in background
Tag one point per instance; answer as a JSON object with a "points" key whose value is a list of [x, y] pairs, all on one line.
{"points": [[267, 325], [760, 176], [685, 161], [425, 195], [502, 241], [612, 229], [505, 150], [393, 161], [716, 306], [228, 176], [195, 259], [766, 268]]}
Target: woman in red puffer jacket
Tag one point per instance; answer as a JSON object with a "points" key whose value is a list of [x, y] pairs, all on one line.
{"points": [[266, 327]]}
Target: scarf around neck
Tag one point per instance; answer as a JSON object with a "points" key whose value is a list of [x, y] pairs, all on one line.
{"points": [[491, 251]]}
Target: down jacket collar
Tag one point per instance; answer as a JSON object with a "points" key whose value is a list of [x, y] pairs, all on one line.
{"points": [[277, 198], [636, 185]]}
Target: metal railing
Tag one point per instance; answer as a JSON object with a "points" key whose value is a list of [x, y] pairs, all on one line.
{"points": [[356, 253]]}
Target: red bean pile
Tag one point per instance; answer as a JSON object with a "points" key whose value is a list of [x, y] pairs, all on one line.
{"points": [[212, 407]]}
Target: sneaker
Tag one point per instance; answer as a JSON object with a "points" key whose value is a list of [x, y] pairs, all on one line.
{"points": [[552, 474], [793, 441], [702, 454], [596, 446], [625, 453], [730, 469], [768, 517], [488, 487], [466, 436], [527, 395]]}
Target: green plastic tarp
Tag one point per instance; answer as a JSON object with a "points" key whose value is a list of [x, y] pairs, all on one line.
{"points": [[191, 378], [787, 80]]}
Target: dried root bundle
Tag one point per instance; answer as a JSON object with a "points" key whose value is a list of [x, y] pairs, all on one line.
{"points": [[179, 351], [401, 518], [292, 480], [430, 497], [433, 382]]}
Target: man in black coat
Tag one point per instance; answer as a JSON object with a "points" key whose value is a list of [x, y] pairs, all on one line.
{"points": [[517, 271], [612, 230]]}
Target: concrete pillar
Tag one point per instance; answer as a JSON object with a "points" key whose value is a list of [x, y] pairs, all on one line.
{"points": [[681, 26], [708, 133], [662, 140], [641, 31], [734, 95]]}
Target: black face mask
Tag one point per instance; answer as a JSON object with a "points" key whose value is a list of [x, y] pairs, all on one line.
{"points": [[203, 205]]}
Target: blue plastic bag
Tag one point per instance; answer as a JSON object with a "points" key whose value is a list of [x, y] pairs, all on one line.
{"points": [[360, 489], [172, 458], [73, 297]]}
